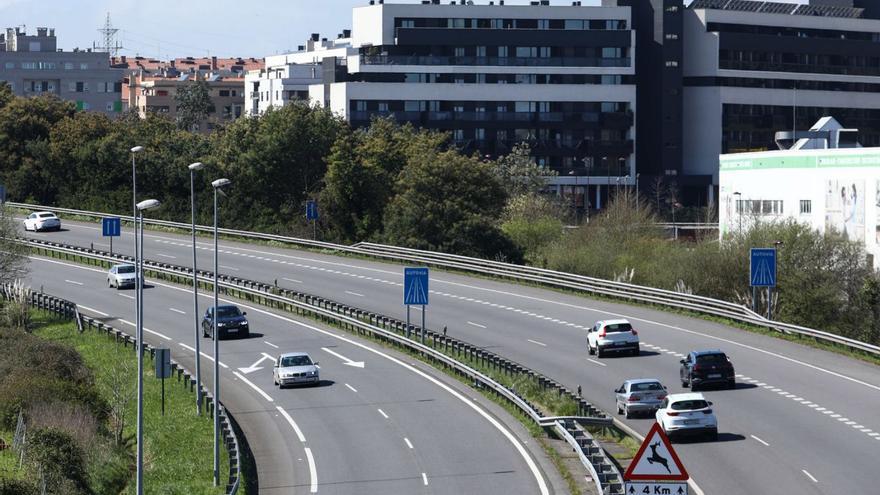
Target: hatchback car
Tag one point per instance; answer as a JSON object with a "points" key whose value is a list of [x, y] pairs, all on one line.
{"points": [[642, 395], [42, 220], [612, 336], [701, 368], [295, 368], [230, 321], [687, 414], [121, 276]]}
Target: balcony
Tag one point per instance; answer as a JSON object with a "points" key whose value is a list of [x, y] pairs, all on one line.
{"points": [[621, 120], [801, 68], [495, 61]]}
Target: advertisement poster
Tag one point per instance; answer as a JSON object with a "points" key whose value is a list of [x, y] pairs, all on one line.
{"points": [[845, 208]]}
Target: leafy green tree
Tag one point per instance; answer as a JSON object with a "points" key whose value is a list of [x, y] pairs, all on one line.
{"points": [[519, 174], [450, 203], [533, 221], [6, 94], [194, 103]]}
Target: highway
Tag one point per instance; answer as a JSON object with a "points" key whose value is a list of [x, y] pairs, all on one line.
{"points": [[377, 423], [800, 421]]}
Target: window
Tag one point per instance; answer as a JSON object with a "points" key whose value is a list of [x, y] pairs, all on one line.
{"points": [[83, 66], [459, 51], [28, 65], [383, 106], [233, 93], [481, 51], [672, 63], [524, 106], [574, 24], [458, 135], [481, 78], [543, 24], [806, 207], [162, 92], [224, 92], [544, 52], [360, 106], [47, 65], [408, 23], [502, 51], [480, 134], [526, 51], [671, 36], [412, 105], [10, 65]]}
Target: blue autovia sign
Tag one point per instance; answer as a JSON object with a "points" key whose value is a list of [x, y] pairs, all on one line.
{"points": [[112, 227], [762, 271], [415, 286], [312, 210]]}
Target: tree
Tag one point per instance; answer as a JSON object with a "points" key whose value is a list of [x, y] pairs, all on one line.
{"points": [[519, 174], [450, 203], [194, 103], [6, 94], [533, 221]]}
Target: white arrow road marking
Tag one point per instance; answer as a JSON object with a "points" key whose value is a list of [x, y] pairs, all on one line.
{"points": [[258, 389], [254, 367], [347, 362]]}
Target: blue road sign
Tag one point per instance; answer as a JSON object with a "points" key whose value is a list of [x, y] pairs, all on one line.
{"points": [[415, 286], [763, 267], [112, 227], [312, 210]]}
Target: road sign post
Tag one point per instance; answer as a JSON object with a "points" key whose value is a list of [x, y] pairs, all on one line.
{"points": [[415, 292], [312, 215], [656, 468], [762, 273], [111, 227], [163, 370]]}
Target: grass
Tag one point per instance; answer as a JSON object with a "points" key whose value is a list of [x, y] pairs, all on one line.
{"points": [[9, 459], [178, 447]]}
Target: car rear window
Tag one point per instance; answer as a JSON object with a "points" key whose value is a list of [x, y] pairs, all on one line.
{"points": [[295, 361], [618, 327], [718, 358], [46, 215], [687, 405], [125, 269], [646, 387]]}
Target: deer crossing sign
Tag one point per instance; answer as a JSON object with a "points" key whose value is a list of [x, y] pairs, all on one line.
{"points": [[656, 468]]}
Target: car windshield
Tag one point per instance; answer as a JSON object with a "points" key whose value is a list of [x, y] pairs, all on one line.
{"points": [[125, 269], [646, 387], [228, 311], [687, 405], [618, 327], [295, 361], [46, 215], [712, 358]]}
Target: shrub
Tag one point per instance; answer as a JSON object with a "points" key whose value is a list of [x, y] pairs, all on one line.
{"points": [[55, 456]]}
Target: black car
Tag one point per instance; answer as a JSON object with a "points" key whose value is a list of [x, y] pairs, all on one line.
{"points": [[709, 367], [230, 322]]}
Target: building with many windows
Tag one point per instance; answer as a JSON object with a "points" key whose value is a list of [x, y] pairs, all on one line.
{"points": [[32, 65]]}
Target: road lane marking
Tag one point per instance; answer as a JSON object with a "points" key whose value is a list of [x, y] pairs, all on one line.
{"points": [[209, 358], [229, 268], [476, 324], [292, 280], [313, 473], [177, 311], [126, 296], [354, 293], [270, 344], [810, 476], [382, 413], [759, 440], [258, 389], [299, 433], [537, 343], [92, 310], [596, 362], [166, 256], [146, 330], [74, 282], [408, 443], [425, 479], [351, 388]]}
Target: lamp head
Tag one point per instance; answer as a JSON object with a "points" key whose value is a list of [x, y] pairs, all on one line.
{"points": [[217, 184], [196, 166], [137, 149], [148, 204]]}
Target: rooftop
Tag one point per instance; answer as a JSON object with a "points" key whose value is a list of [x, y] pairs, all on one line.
{"points": [[779, 8]]}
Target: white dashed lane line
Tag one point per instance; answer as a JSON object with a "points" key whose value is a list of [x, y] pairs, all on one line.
{"points": [[536, 342], [476, 324], [354, 293], [125, 296], [270, 344], [177, 311], [425, 479], [596, 362], [810, 476], [351, 388], [408, 443], [166, 256], [74, 282], [292, 280], [228, 268], [760, 441]]}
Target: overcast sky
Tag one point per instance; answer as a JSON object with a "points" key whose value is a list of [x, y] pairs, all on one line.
{"points": [[178, 28]]}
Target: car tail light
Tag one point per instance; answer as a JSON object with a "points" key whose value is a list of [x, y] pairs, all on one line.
{"points": [[672, 414], [633, 398], [661, 397], [707, 411], [634, 331], [602, 333], [697, 367]]}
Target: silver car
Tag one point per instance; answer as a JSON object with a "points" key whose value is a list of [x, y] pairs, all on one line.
{"points": [[121, 276], [643, 395], [295, 368]]}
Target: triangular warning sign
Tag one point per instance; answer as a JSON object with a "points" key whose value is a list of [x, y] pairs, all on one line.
{"points": [[656, 460]]}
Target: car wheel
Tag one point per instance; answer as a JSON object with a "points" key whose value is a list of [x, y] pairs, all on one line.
{"points": [[619, 410], [635, 351], [731, 384], [684, 383], [691, 383], [626, 413], [590, 349], [599, 352], [714, 436]]}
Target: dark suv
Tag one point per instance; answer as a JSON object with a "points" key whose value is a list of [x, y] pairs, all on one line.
{"points": [[230, 321], [701, 368]]}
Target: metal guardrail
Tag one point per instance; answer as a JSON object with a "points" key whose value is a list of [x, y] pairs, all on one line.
{"points": [[551, 278], [386, 329], [69, 310]]}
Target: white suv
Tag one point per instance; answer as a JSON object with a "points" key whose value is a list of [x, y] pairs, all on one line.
{"points": [[687, 414], [612, 336]]}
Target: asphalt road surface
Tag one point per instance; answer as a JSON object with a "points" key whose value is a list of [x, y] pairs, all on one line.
{"points": [[801, 420]]}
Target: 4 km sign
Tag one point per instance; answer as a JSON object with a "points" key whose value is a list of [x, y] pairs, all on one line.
{"points": [[656, 468]]}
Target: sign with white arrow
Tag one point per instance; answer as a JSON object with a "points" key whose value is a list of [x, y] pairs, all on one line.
{"points": [[256, 366], [345, 360], [643, 488]]}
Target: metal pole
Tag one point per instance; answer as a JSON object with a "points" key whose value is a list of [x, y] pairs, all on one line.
{"points": [[111, 245], [139, 336], [754, 299], [314, 230], [407, 321], [134, 204], [192, 192], [216, 359], [423, 324], [587, 196], [769, 302]]}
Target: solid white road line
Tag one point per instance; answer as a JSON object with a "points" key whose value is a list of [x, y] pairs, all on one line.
{"points": [[596, 362], [147, 330], [125, 296], [292, 280], [177, 311], [74, 282], [258, 389], [810, 476], [408, 443], [209, 358], [92, 310], [759, 440], [536, 342], [351, 388], [299, 433], [354, 293], [476, 324], [270, 344], [166, 256], [313, 473], [382, 413], [425, 479], [228, 267]]}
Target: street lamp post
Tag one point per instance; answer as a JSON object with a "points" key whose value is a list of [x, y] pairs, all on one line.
{"points": [[739, 209], [139, 333], [217, 185], [574, 194], [587, 167], [674, 228], [192, 192]]}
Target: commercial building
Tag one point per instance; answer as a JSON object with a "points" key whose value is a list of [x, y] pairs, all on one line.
{"points": [[826, 180], [32, 65]]}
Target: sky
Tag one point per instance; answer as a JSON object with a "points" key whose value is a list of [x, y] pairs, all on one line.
{"points": [[179, 28]]}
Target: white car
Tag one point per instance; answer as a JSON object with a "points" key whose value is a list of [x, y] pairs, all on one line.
{"points": [[42, 220], [295, 368], [612, 336], [121, 276], [687, 414]]}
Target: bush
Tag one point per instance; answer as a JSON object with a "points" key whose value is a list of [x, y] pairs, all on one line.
{"points": [[55, 455], [17, 487]]}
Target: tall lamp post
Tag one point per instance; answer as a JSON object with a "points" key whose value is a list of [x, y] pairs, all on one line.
{"points": [[739, 209], [587, 166], [134, 210], [218, 185], [193, 167], [139, 331], [674, 228], [574, 194]]}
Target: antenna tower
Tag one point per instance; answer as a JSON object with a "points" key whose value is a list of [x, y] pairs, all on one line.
{"points": [[111, 44]]}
